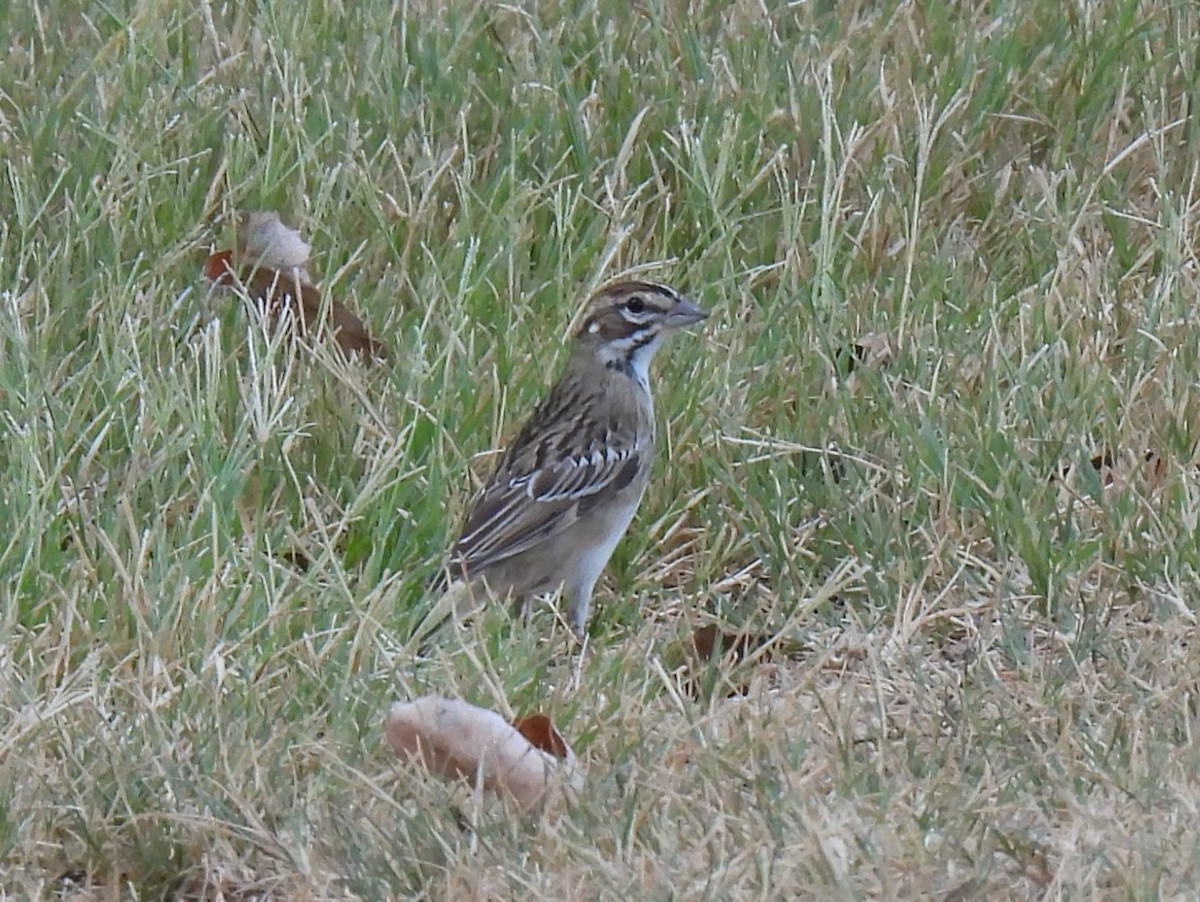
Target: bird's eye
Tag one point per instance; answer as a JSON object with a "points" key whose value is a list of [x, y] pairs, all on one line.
{"points": [[635, 305]]}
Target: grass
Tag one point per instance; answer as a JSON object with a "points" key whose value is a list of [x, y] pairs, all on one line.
{"points": [[987, 592]]}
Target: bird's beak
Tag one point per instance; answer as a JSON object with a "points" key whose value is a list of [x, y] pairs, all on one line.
{"points": [[684, 313]]}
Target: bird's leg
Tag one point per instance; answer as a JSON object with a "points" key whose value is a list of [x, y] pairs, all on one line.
{"points": [[577, 611], [520, 608]]}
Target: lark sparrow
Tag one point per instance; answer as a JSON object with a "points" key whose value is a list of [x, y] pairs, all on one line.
{"points": [[568, 485], [269, 265]]}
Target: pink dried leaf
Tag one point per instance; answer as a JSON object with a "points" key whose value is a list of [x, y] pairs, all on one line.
{"points": [[459, 740]]}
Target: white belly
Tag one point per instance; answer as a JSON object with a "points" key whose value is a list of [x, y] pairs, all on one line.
{"points": [[607, 534]]}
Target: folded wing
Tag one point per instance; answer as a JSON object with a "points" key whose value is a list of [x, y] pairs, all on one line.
{"points": [[523, 507]]}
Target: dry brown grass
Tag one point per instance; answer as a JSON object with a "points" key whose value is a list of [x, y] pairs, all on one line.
{"points": [[937, 445]]}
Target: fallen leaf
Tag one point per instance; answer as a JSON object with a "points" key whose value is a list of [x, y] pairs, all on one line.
{"points": [[709, 639], [458, 740], [269, 264], [541, 734], [708, 643], [1113, 468]]}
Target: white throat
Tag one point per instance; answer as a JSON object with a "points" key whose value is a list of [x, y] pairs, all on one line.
{"points": [[626, 352], [639, 362]]}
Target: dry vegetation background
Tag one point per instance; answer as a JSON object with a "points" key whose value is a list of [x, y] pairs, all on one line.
{"points": [[950, 244]]}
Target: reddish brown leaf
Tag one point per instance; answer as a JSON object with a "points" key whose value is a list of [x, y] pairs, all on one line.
{"points": [[541, 734], [708, 643], [269, 262], [708, 640], [218, 267]]}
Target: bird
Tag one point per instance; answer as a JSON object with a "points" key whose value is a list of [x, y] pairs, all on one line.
{"points": [[269, 264], [568, 485]]}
